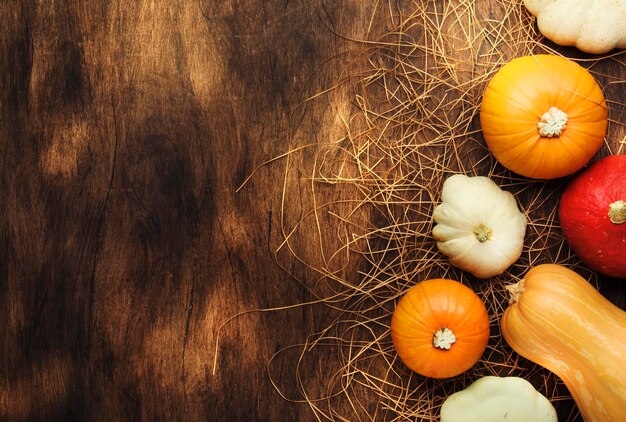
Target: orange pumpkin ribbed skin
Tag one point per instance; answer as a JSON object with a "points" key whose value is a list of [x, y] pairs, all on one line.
{"points": [[564, 324], [430, 306], [517, 97]]}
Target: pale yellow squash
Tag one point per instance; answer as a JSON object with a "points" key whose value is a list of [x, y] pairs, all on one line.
{"points": [[479, 226], [593, 26]]}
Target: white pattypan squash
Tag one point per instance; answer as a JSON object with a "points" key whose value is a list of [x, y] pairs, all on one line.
{"points": [[495, 399], [593, 26], [479, 226]]}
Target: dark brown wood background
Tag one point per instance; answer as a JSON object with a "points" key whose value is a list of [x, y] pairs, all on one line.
{"points": [[126, 130]]}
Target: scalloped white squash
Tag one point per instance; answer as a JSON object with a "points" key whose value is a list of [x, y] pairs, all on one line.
{"points": [[593, 26]]}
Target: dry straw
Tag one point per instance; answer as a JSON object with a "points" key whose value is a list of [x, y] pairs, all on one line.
{"points": [[416, 95]]}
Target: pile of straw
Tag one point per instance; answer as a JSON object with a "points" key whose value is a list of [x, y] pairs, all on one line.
{"points": [[416, 96]]}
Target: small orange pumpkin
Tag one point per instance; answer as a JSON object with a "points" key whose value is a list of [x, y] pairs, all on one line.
{"points": [[543, 116], [440, 328]]}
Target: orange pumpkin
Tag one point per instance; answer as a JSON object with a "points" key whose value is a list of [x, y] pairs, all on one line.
{"points": [[543, 116], [440, 328]]}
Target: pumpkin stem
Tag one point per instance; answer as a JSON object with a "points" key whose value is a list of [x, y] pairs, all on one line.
{"points": [[483, 233], [515, 291], [552, 123], [617, 212], [443, 338]]}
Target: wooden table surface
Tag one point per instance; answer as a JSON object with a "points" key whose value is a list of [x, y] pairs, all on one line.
{"points": [[137, 214]]}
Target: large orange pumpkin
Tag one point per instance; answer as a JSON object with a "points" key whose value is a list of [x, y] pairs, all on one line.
{"points": [[543, 116], [440, 328]]}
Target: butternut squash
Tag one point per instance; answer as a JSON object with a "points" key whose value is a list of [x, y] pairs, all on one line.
{"points": [[561, 322]]}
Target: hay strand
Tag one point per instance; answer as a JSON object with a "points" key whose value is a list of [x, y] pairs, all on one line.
{"points": [[416, 97]]}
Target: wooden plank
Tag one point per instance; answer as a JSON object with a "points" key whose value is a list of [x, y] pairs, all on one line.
{"points": [[127, 129], [131, 231]]}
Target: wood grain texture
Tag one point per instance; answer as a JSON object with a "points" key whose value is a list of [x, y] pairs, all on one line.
{"points": [[127, 129]]}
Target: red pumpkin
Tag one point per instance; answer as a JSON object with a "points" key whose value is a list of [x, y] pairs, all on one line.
{"points": [[593, 215]]}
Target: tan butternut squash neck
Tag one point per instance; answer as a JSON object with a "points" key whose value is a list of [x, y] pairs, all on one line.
{"points": [[515, 291]]}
